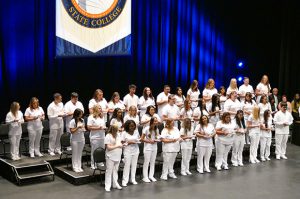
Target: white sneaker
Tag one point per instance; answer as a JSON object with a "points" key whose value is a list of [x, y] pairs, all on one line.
{"points": [[152, 179], [188, 172], [80, 169], [93, 167], [252, 161], [284, 157], [146, 180], [39, 154], [17, 158], [226, 167], [52, 154], [262, 159], [207, 170], [124, 184], [172, 175], [218, 168], [200, 171], [278, 157], [268, 159], [163, 178], [76, 170], [117, 186], [134, 182], [32, 155], [235, 164], [58, 152], [241, 164], [183, 173], [257, 161], [107, 190]]}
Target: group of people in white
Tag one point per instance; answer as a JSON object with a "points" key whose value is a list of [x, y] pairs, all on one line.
{"points": [[224, 119]]}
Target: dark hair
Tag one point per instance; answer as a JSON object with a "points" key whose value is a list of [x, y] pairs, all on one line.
{"points": [[148, 109], [74, 95], [225, 114], [127, 123], [266, 117], [145, 94], [115, 114], [201, 122], [56, 95], [131, 86], [296, 100], [187, 121], [151, 122], [165, 86], [283, 104], [194, 84], [262, 97], [177, 89], [200, 105], [96, 92], [250, 95], [115, 94], [215, 102], [31, 102], [76, 115], [240, 122], [222, 87]]}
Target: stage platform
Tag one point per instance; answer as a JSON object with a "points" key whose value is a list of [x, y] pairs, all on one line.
{"points": [[25, 169]]}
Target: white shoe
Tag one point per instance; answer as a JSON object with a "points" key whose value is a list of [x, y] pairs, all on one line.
{"points": [[235, 164], [146, 180], [262, 159], [93, 167], [107, 190], [183, 173], [257, 161], [39, 154], [52, 154], [200, 171], [218, 168], [58, 152], [76, 170], [124, 184], [278, 157], [80, 169], [284, 157], [268, 159], [188, 172], [134, 182], [152, 179], [13, 158], [252, 161], [117, 186], [226, 167], [207, 170], [17, 158], [172, 175], [163, 178], [241, 164], [32, 155]]}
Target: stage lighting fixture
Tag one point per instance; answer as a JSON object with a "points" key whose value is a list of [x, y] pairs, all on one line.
{"points": [[240, 64], [240, 78]]}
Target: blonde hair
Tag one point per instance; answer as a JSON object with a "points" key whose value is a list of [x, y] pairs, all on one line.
{"points": [[96, 111], [14, 108], [186, 125], [113, 130], [168, 125], [32, 100], [231, 85], [255, 113], [209, 82], [131, 108]]}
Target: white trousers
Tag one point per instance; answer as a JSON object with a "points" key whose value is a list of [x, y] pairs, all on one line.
{"points": [[111, 172], [254, 142], [222, 151], [280, 143], [96, 143], [130, 163], [265, 144], [77, 147], [14, 145], [34, 141], [186, 155], [54, 140], [168, 163], [204, 154], [237, 149], [149, 158]]}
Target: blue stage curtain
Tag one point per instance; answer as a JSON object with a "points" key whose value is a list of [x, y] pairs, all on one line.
{"points": [[173, 42]]}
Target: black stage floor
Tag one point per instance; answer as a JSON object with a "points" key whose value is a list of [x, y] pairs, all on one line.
{"points": [[274, 179]]}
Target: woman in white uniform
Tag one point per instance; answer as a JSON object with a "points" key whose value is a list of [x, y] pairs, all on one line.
{"points": [[170, 136], [146, 100], [132, 115], [34, 115], [114, 103], [96, 126], [205, 132], [171, 111], [253, 125], [56, 114], [77, 129], [162, 100], [232, 104], [117, 119], [247, 107], [150, 137], [99, 100], [263, 88], [193, 94], [232, 87], [223, 97], [208, 92], [70, 107], [179, 98], [187, 134], [263, 106], [131, 151], [225, 130], [145, 120], [199, 111], [239, 140], [186, 111], [215, 109], [14, 118], [266, 136], [113, 145]]}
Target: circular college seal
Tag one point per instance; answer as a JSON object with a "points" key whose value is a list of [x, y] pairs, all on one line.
{"points": [[94, 13]]}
